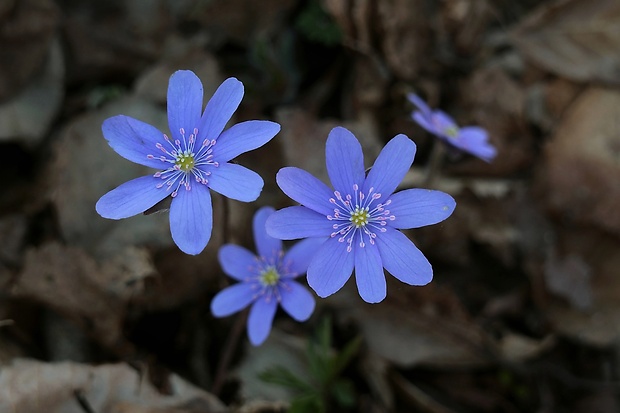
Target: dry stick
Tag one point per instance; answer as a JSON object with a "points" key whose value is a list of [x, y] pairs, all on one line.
{"points": [[435, 162]]}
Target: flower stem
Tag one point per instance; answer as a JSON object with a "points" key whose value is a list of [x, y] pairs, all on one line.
{"points": [[229, 348], [435, 163]]}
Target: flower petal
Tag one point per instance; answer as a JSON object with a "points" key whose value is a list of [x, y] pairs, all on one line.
{"points": [[298, 222], [237, 262], [391, 166], [419, 103], [268, 247], [402, 259], [297, 300], [236, 182], [414, 208], [184, 102], [131, 198], [330, 268], [134, 140], [232, 299], [191, 219], [297, 259], [369, 274], [243, 137], [304, 188], [344, 159], [220, 109], [260, 319], [424, 121], [474, 140]]}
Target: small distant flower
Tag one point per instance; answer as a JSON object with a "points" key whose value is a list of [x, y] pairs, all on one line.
{"points": [[360, 218], [194, 158], [266, 280], [471, 139]]}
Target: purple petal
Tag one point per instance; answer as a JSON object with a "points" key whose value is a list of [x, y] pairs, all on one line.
{"points": [[402, 259], [442, 121], [474, 140], [330, 268], [414, 208], [191, 219], [369, 274], [391, 166], [232, 299], [304, 188], [297, 301], [297, 259], [424, 121], [184, 102], [419, 103], [134, 140], [131, 198], [237, 262], [298, 222], [243, 137], [260, 319], [220, 109], [268, 247], [345, 160], [236, 182]]}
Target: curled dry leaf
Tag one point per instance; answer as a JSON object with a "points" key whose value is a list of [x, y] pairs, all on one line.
{"points": [[578, 39]]}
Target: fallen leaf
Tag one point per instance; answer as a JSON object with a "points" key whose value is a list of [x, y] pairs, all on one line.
{"points": [[578, 39], [33, 386]]}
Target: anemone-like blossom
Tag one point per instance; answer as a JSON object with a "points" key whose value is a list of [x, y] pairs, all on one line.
{"points": [[470, 139], [360, 217], [265, 280], [191, 160]]}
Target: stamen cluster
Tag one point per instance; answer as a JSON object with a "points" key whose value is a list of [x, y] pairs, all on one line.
{"points": [[185, 161], [358, 215]]}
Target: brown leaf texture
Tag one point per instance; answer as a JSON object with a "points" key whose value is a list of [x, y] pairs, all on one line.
{"points": [[577, 39], [28, 386]]}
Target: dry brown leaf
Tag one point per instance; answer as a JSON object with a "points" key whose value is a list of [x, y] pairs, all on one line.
{"points": [[28, 386], [416, 326], [583, 169], [578, 39]]}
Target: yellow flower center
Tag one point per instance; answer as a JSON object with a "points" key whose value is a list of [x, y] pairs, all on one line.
{"points": [[185, 161], [451, 131], [359, 217], [269, 277]]}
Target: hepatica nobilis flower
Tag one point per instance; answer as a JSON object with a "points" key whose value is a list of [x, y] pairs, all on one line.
{"points": [[360, 218], [470, 139], [265, 280], [192, 159]]}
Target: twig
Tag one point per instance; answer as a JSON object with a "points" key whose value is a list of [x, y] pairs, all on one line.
{"points": [[6, 323], [434, 164], [82, 401], [229, 348]]}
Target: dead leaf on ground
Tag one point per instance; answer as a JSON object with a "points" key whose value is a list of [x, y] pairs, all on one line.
{"points": [[578, 39], [582, 161], [33, 386]]}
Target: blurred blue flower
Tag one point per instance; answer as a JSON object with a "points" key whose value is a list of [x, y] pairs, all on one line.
{"points": [[470, 139], [194, 158], [266, 280], [360, 218]]}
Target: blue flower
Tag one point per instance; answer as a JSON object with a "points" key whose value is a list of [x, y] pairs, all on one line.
{"points": [[470, 139], [266, 280], [360, 219], [194, 158]]}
